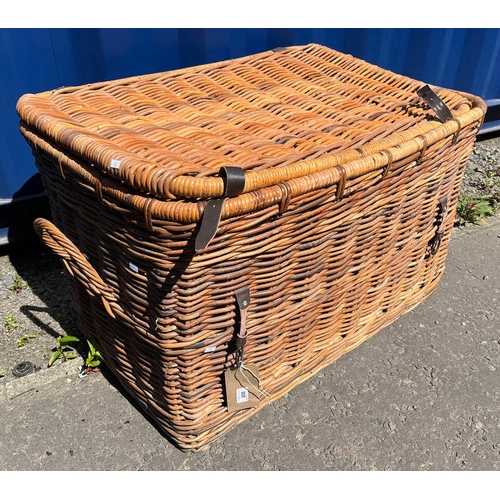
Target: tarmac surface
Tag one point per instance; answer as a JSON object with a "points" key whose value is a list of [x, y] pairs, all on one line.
{"points": [[421, 395]]}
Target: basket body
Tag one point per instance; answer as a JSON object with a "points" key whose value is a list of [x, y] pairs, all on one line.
{"points": [[328, 256]]}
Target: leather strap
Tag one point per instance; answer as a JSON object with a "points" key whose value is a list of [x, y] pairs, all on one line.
{"points": [[234, 184], [435, 243], [435, 103], [209, 223], [234, 181], [243, 301]]}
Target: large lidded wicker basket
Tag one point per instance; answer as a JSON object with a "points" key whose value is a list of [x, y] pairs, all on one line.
{"points": [[272, 211]]}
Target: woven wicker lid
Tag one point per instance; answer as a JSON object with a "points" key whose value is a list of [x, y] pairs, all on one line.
{"points": [[280, 116]]}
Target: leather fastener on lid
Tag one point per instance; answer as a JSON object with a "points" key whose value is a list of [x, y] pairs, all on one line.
{"points": [[234, 184], [435, 103]]}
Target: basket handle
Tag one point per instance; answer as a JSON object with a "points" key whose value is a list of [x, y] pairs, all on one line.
{"points": [[75, 262]]}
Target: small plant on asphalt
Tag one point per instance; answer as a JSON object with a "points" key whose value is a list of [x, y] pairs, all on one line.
{"points": [[18, 284], [10, 322], [492, 186], [474, 210], [493, 176], [25, 339], [93, 359], [64, 350]]}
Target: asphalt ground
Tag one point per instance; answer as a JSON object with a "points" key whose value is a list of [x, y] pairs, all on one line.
{"points": [[421, 395]]}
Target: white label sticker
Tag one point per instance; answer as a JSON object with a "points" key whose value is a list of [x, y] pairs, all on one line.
{"points": [[242, 395], [133, 267], [210, 349], [115, 163]]}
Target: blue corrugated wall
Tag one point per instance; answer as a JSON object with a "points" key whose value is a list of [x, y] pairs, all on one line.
{"points": [[34, 60]]}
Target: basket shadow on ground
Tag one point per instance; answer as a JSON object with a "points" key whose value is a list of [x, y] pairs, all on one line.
{"points": [[44, 273]]}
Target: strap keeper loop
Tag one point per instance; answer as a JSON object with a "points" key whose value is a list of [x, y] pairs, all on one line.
{"points": [[342, 182]]}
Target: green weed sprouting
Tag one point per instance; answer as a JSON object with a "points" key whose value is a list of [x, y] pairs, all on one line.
{"points": [[18, 284], [25, 339], [64, 350], [10, 322], [93, 359], [475, 209]]}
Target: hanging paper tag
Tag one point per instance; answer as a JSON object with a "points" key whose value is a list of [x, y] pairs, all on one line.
{"points": [[242, 387]]}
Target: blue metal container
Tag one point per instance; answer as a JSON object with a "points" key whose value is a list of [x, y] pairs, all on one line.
{"points": [[34, 60]]}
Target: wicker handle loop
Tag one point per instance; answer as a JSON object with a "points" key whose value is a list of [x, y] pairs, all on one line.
{"points": [[75, 262]]}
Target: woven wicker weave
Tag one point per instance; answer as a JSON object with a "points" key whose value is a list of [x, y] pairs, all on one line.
{"points": [[340, 227]]}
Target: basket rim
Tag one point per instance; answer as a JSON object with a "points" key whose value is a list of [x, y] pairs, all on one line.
{"points": [[183, 185]]}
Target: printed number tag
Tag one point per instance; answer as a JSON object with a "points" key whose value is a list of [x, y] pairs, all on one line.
{"points": [[242, 395], [242, 387]]}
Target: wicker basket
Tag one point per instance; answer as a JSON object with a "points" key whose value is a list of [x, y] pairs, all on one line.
{"points": [[271, 211]]}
